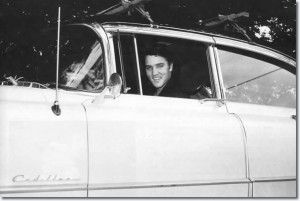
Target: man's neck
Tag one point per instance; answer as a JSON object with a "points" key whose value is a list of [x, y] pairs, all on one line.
{"points": [[158, 90]]}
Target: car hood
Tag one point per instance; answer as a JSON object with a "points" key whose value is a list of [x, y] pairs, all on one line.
{"points": [[17, 93]]}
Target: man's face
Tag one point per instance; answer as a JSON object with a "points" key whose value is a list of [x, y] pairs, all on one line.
{"points": [[158, 70]]}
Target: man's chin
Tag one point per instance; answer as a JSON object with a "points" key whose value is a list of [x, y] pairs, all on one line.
{"points": [[157, 85]]}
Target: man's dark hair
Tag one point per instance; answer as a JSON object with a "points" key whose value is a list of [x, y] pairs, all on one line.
{"points": [[160, 51]]}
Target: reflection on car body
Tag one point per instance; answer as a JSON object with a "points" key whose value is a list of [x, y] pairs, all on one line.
{"points": [[233, 136]]}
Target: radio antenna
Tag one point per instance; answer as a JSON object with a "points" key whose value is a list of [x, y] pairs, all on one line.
{"points": [[55, 108]]}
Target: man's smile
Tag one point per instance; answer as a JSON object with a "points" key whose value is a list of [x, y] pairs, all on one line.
{"points": [[156, 78]]}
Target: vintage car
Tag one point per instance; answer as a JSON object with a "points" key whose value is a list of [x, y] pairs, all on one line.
{"points": [[100, 132]]}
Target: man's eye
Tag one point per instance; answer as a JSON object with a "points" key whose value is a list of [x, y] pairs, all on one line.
{"points": [[160, 65], [148, 68]]}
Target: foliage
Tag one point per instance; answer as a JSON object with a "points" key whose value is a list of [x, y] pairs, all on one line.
{"points": [[21, 20]]}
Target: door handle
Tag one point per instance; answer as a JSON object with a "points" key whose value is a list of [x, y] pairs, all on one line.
{"points": [[294, 116]]}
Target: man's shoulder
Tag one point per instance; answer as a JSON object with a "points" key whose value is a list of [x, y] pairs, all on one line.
{"points": [[173, 91]]}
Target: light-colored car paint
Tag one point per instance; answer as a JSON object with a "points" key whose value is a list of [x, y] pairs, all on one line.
{"points": [[41, 152], [141, 146], [271, 136], [153, 142]]}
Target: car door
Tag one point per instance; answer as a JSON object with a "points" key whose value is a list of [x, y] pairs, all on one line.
{"points": [[150, 146], [260, 89], [44, 154]]}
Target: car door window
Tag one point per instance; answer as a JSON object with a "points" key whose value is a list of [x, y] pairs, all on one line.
{"points": [[124, 46], [189, 77], [251, 78]]}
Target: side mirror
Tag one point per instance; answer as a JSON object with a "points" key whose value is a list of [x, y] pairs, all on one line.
{"points": [[115, 85], [114, 88]]}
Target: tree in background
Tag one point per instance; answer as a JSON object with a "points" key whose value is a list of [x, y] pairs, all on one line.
{"points": [[270, 22]]}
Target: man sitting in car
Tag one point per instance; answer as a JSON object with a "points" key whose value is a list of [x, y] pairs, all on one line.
{"points": [[159, 67]]}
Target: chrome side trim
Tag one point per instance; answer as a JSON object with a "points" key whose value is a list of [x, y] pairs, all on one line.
{"points": [[160, 32], [254, 48], [165, 184], [275, 179], [42, 188]]}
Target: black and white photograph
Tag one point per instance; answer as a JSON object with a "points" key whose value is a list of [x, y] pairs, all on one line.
{"points": [[148, 98]]}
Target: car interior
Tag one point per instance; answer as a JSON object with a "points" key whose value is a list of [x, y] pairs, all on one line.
{"points": [[190, 71]]}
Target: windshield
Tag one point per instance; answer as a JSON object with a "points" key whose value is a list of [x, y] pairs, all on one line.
{"points": [[81, 64]]}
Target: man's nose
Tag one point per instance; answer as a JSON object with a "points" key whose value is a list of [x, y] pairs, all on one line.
{"points": [[154, 71]]}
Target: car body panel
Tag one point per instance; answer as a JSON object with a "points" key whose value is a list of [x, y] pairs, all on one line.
{"points": [[270, 133], [273, 135], [283, 188], [140, 141], [35, 156], [191, 190]]}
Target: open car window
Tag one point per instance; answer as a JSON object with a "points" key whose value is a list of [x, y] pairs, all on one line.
{"points": [[190, 71]]}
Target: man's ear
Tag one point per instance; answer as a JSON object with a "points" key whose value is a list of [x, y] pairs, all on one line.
{"points": [[171, 67]]}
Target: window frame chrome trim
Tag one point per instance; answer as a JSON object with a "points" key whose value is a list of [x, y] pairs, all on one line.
{"points": [[120, 50], [213, 68], [219, 72], [112, 53], [160, 32], [138, 64], [98, 29]]}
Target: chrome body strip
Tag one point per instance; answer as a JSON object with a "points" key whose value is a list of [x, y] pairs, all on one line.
{"points": [[42, 188], [273, 179], [165, 184]]}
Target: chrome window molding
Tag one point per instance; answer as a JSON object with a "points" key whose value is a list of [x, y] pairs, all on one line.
{"points": [[106, 48], [219, 73], [138, 64], [214, 73], [159, 32]]}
